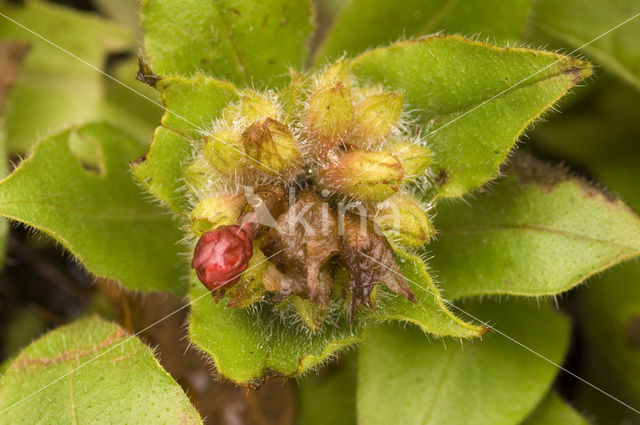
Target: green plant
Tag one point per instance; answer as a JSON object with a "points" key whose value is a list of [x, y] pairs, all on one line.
{"points": [[397, 134]]}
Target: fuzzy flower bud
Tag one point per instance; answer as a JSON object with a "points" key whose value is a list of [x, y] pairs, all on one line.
{"points": [[213, 212], [221, 256], [375, 117], [272, 146], [402, 220], [329, 114], [292, 96], [256, 107], [253, 106], [223, 150], [415, 159], [366, 176]]}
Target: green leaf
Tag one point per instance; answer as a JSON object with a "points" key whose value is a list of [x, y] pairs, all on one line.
{"points": [[578, 22], [608, 114], [554, 410], [330, 396], [366, 23], [249, 345], [610, 319], [246, 42], [405, 379], [50, 77], [538, 232], [76, 187], [91, 372], [193, 103], [458, 88], [430, 313], [191, 106], [160, 169]]}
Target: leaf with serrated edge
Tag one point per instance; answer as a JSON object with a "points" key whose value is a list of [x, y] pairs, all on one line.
{"points": [[554, 410], [246, 42], [192, 104], [536, 232], [99, 214], [405, 379], [366, 23], [449, 78], [91, 372]]}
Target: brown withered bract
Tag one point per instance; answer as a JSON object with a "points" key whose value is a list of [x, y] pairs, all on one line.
{"points": [[266, 204], [369, 260], [307, 235]]}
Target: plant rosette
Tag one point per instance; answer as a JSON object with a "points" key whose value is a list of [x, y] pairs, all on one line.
{"points": [[299, 201], [321, 196]]}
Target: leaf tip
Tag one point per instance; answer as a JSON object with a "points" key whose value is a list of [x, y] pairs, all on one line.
{"points": [[145, 74]]}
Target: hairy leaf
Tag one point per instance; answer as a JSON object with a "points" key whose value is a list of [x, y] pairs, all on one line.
{"points": [[249, 345], [554, 410], [244, 41], [474, 100], [91, 372], [51, 78], [578, 23], [538, 232], [191, 106], [366, 23], [405, 379], [430, 313], [76, 187]]}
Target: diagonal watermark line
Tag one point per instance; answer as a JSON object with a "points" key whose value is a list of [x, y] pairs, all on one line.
{"points": [[534, 74], [127, 339], [515, 341], [131, 89], [515, 85]]}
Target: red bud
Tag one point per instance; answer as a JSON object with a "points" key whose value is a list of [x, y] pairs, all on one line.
{"points": [[221, 256]]}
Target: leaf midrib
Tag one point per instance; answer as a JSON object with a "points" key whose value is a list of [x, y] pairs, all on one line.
{"points": [[467, 230], [438, 391], [504, 92]]}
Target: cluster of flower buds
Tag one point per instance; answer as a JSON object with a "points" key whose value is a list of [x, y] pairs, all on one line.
{"points": [[301, 196]]}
